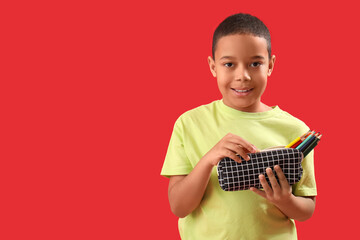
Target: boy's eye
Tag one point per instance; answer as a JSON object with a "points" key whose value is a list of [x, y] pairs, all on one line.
{"points": [[255, 64], [228, 64]]}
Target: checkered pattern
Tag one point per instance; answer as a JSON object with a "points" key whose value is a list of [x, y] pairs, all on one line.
{"points": [[235, 176]]}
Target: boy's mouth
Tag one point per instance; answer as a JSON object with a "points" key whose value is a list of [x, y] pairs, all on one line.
{"points": [[242, 91]]}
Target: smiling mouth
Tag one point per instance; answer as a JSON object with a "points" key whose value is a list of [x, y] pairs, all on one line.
{"points": [[242, 91]]}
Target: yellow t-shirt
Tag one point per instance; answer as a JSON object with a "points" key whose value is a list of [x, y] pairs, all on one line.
{"points": [[241, 214]]}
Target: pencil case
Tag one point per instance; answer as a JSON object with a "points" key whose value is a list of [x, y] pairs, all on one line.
{"points": [[234, 176]]}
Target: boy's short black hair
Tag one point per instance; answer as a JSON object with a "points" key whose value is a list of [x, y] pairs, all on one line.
{"points": [[241, 23]]}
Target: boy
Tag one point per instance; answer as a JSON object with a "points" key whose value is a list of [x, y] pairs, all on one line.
{"points": [[238, 124]]}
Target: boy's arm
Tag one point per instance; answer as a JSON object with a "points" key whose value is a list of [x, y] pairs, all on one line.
{"points": [[279, 193], [185, 192]]}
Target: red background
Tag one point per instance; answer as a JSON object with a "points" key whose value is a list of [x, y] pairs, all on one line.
{"points": [[90, 91]]}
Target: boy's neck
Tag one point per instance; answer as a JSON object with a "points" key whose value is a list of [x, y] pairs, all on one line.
{"points": [[265, 107], [260, 107]]}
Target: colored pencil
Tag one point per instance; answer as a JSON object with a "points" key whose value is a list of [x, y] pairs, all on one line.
{"points": [[293, 142], [311, 146], [312, 138], [290, 145], [306, 140], [297, 144]]}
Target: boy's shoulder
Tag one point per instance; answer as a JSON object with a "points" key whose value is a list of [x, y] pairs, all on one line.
{"points": [[286, 114], [293, 122], [200, 111]]}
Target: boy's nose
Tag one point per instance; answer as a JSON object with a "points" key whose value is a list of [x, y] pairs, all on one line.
{"points": [[242, 75]]}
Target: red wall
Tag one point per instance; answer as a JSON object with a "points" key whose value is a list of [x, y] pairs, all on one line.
{"points": [[91, 90]]}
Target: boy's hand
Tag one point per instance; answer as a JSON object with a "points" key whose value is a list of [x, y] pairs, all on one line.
{"points": [[279, 192], [229, 146]]}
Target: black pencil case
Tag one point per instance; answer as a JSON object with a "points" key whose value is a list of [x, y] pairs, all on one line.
{"points": [[234, 176]]}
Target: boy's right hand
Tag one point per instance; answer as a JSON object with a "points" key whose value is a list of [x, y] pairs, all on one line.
{"points": [[229, 146]]}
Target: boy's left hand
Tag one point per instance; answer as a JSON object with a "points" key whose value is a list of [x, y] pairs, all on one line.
{"points": [[279, 192]]}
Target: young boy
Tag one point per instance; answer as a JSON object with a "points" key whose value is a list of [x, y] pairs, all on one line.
{"points": [[238, 124]]}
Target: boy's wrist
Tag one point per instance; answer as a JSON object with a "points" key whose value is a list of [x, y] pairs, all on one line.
{"points": [[206, 159], [286, 202], [297, 208]]}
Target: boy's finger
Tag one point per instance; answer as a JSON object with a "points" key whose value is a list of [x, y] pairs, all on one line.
{"points": [[241, 151], [256, 150], [235, 157], [248, 146], [265, 184], [274, 183], [282, 178], [238, 149], [258, 191], [245, 144], [230, 153]]}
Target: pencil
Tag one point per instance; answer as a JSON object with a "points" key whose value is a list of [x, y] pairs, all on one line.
{"points": [[310, 141], [306, 140], [296, 140], [302, 139], [293, 142], [297, 144], [311, 146]]}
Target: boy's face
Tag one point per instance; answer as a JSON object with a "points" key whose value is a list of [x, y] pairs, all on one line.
{"points": [[242, 66]]}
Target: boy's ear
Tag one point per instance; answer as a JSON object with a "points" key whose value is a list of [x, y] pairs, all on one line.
{"points": [[271, 65], [212, 66]]}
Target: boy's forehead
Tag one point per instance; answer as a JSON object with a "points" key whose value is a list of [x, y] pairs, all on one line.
{"points": [[241, 45]]}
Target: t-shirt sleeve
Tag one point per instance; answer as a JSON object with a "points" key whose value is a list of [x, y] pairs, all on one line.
{"points": [[307, 185], [176, 161]]}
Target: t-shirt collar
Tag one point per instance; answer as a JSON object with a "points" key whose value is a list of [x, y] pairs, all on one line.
{"points": [[256, 115]]}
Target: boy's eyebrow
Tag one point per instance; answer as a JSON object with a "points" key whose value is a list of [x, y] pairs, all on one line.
{"points": [[226, 57], [254, 57], [257, 57]]}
